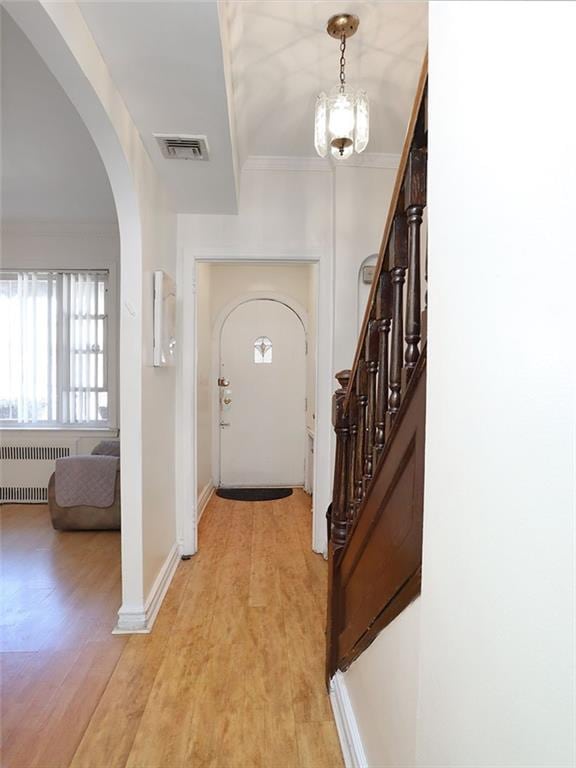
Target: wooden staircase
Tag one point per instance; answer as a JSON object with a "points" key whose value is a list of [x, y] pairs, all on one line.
{"points": [[375, 520]]}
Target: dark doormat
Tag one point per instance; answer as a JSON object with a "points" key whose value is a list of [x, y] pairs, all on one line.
{"points": [[253, 494]]}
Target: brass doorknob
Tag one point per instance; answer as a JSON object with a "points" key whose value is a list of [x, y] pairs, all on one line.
{"points": [[227, 400]]}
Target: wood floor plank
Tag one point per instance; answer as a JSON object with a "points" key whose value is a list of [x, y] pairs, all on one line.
{"points": [[318, 745], [60, 597], [232, 675]]}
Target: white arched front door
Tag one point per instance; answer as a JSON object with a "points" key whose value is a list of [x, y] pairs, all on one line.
{"points": [[262, 396]]}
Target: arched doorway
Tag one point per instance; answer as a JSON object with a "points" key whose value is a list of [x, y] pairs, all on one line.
{"points": [[262, 402], [55, 31]]}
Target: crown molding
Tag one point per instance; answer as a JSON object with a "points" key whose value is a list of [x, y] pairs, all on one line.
{"points": [[318, 164], [59, 228], [256, 254], [385, 160]]}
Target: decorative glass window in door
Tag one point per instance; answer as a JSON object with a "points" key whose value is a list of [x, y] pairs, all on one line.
{"points": [[262, 350]]}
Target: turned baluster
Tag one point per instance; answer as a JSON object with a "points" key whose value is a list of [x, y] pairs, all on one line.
{"points": [[398, 264], [338, 525], [371, 353], [361, 403], [384, 318], [415, 200], [352, 446]]}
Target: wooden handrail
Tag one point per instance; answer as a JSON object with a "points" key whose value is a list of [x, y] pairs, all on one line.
{"points": [[382, 262], [375, 540]]}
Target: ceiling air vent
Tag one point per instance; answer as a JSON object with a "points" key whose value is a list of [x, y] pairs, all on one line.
{"points": [[183, 147]]}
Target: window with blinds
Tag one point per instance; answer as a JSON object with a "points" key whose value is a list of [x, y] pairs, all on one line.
{"points": [[54, 348]]}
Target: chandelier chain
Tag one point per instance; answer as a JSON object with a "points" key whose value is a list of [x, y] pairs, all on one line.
{"points": [[342, 62]]}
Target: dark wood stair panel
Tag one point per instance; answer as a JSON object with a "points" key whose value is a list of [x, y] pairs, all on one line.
{"points": [[379, 412]]}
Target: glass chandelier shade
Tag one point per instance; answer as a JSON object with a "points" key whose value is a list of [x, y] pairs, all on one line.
{"points": [[342, 118], [342, 122]]}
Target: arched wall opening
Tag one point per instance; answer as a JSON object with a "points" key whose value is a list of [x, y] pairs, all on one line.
{"points": [[147, 230]]}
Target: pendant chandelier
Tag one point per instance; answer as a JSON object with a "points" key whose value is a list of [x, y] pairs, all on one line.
{"points": [[341, 121]]}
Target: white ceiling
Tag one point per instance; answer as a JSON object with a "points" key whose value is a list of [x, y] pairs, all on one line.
{"points": [[51, 170], [169, 61], [282, 58], [246, 77], [166, 60]]}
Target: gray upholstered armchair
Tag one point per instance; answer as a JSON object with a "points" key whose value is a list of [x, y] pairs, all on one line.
{"points": [[84, 491]]}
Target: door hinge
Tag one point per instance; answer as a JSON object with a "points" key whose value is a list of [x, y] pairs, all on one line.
{"points": [[306, 404]]}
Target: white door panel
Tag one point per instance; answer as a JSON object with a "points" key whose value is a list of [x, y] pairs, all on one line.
{"points": [[262, 437]]}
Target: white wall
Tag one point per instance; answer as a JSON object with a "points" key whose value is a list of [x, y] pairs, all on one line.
{"points": [[362, 198], [383, 689], [158, 410], [497, 646], [58, 247], [230, 281], [281, 215], [496, 676], [148, 241], [290, 214]]}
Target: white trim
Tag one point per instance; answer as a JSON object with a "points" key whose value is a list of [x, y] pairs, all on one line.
{"points": [[186, 406], [100, 432], [140, 620], [255, 255], [317, 164], [372, 160], [186, 384], [203, 499], [346, 725], [324, 442]]}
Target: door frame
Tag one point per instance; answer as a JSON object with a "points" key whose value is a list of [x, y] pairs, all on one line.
{"points": [[186, 411], [216, 343]]}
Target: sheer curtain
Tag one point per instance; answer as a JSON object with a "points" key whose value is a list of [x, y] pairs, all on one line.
{"points": [[27, 345], [53, 347]]}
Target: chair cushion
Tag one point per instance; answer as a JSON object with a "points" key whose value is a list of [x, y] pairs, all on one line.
{"points": [[107, 448]]}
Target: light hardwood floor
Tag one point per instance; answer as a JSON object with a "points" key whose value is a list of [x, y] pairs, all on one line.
{"points": [[232, 674], [60, 595]]}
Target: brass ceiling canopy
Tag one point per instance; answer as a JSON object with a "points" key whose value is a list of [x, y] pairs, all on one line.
{"points": [[342, 25]]}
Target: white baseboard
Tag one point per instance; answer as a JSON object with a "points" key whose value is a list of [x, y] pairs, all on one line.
{"points": [[140, 620], [204, 498], [346, 725]]}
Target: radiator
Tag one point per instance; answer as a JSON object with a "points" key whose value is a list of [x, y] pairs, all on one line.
{"points": [[26, 469]]}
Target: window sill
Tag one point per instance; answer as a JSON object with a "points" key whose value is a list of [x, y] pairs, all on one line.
{"points": [[77, 430]]}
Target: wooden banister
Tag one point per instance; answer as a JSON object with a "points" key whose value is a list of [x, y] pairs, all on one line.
{"points": [[382, 263], [375, 545]]}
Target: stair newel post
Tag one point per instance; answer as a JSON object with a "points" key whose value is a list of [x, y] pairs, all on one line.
{"points": [[337, 522], [415, 200], [361, 402], [398, 266], [384, 319], [371, 351], [338, 525]]}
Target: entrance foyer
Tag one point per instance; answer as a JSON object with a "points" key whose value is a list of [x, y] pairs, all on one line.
{"points": [[233, 672]]}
